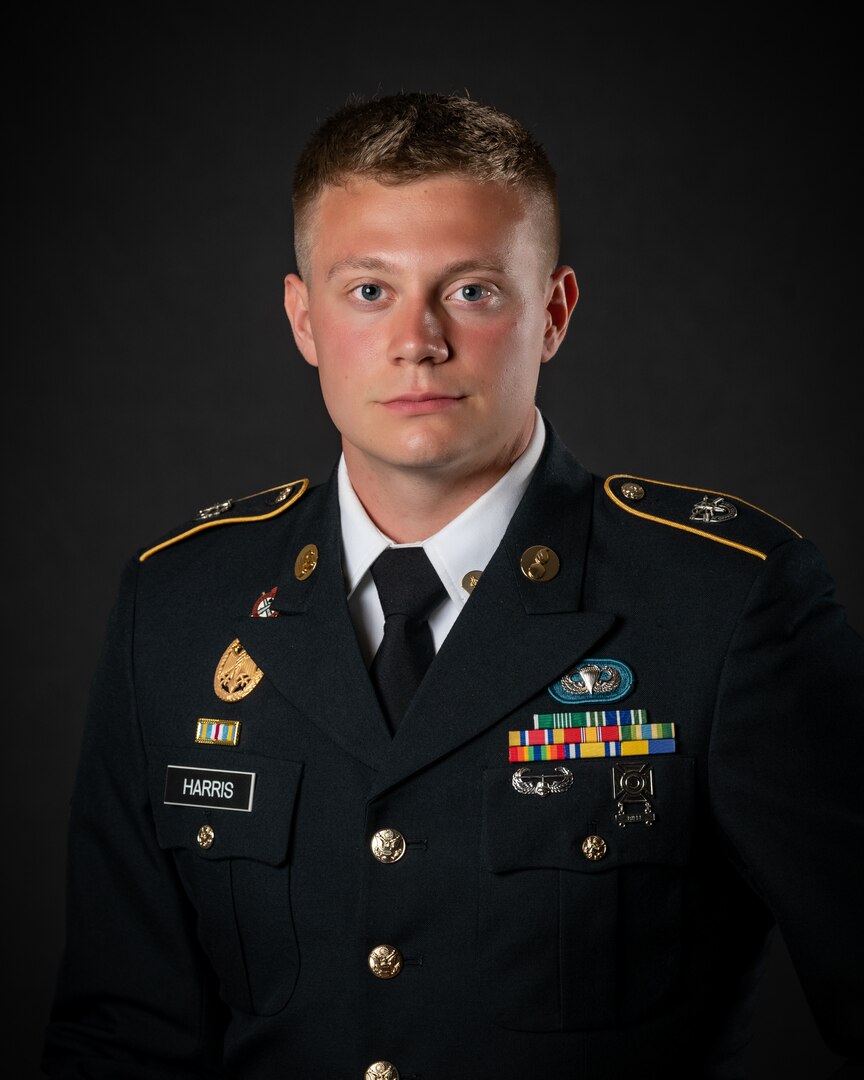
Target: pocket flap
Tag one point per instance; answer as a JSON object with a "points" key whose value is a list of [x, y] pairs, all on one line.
{"points": [[246, 801], [522, 831]]}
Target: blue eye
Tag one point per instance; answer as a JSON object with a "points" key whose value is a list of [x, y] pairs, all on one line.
{"points": [[471, 292], [370, 292]]}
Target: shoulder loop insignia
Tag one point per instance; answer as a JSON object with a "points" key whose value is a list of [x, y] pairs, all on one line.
{"points": [[713, 510], [710, 508], [272, 501]]}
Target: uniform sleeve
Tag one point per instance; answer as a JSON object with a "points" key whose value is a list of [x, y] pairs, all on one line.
{"points": [[786, 778], [135, 997]]}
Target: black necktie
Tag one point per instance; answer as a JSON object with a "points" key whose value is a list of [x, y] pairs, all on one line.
{"points": [[409, 590]]}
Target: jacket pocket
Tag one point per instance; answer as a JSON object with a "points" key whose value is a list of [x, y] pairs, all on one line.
{"points": [[571, 942], [232, 847]]}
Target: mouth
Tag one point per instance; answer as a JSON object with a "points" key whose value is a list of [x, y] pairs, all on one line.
{"points": [[418, 404]]}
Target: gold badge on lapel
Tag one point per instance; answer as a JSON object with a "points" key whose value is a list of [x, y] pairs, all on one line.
{"points": [[306, 561], [237, 674], [471, 580], [539, 563]]}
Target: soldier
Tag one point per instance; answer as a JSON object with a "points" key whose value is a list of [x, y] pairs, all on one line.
{"points": [[436, 769]]}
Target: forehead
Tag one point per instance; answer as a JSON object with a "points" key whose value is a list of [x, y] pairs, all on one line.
{"points": [[437, 216]]}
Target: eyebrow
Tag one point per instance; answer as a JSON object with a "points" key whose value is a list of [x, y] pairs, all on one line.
{"points": [[383, 266]]}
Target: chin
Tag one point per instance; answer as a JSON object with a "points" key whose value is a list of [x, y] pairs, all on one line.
{"points": [[420, 454], [428, 459], [430, 449]]}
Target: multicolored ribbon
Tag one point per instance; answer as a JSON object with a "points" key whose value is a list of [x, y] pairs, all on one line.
{"points": [[590, 719], [218, 731], [604, 733], [566, 751]]}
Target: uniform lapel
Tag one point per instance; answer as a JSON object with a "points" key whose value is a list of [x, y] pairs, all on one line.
{"points": [[514, 635], [310, 651]]}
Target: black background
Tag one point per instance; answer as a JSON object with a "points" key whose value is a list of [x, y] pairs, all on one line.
{"points": [[709, 192]]}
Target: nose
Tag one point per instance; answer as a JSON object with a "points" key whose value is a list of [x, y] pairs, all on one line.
{"points": [[417, 333]]}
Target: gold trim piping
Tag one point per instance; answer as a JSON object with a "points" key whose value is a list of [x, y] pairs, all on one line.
{"points": [[304, 484], [689, 528]]}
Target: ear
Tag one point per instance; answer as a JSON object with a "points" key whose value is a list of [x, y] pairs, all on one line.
{"points": [[563, 294], [297, 310]]}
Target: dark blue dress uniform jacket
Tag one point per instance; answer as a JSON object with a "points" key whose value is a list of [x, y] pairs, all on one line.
{"points": [[248, 958]]}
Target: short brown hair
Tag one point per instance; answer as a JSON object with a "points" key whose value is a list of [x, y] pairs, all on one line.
{"points": [[405, 137]]}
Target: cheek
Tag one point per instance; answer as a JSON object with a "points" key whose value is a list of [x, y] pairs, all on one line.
{"points": [[344, 359], [347, 378], [507, 353]]}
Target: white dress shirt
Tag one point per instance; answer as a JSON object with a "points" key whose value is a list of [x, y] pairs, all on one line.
{"points": [[466, 543]]}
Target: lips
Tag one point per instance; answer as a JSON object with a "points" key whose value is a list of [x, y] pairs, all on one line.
{"points": [[430, 395], [415, 404]]}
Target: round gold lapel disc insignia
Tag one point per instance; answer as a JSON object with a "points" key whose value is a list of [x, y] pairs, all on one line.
{"points": [[305, 562], [469, 582], [237, 674], [539, 563]]}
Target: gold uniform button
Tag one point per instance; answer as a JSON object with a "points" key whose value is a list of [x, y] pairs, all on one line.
{"points": [[306, 562], [385, 962], [206, 836], [381, 1070], [539, 563], [388, 845], [593, 847], [632, 491]]}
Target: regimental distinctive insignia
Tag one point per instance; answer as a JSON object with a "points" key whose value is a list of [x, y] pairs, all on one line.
{"points": [[595, 680], [631, 786], [607, 740], [543, 785], [237, 674], [222, 732], [263, 606], [713, 510]]}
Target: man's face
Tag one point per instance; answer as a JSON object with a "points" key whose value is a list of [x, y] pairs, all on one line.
{"points": [[428, 309]]}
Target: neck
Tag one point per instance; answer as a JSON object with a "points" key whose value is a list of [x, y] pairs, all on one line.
{"points": [[408, 504]]}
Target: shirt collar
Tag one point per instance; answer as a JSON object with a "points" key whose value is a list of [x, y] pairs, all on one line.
{"points": [[464, 544]]}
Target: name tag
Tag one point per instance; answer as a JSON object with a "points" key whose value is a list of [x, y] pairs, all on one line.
{"points": [[215, 789]]}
